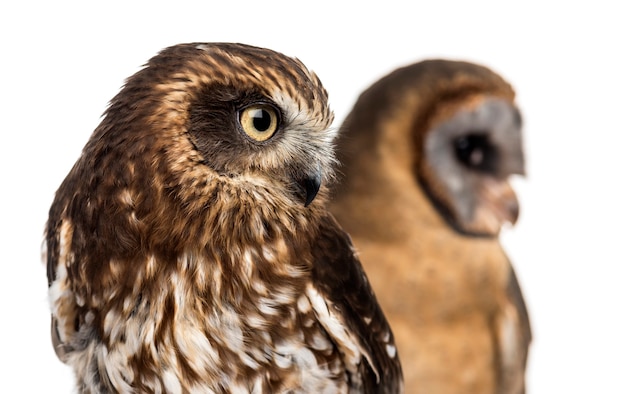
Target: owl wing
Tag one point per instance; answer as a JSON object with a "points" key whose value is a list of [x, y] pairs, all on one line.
{"points": [[67, 318], [346, 307], [514, 336]]}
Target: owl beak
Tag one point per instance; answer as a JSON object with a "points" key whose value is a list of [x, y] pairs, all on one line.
{"points": [[497, 206], [311, 185]]}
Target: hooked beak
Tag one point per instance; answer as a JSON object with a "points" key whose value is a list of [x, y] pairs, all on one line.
{"points": [[310, 184], [497, 205]]}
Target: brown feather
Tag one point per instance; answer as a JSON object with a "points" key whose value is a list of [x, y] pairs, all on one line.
{"points": [[180, 252]]}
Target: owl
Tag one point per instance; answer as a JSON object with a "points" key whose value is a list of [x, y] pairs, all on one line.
{"points": [[190, 250], [427, 154]]}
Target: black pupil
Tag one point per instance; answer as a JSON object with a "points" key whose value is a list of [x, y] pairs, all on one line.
{"points": [[261, 119], [475, 151]]}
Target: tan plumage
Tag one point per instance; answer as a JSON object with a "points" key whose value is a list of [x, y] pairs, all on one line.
{"points": [[426, 154], [189, 249]]}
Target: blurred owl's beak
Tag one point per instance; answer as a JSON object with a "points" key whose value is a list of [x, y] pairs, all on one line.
{"points": [[496, 206], [311, 185]]}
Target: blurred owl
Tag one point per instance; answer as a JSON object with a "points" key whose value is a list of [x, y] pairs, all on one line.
{"points": [[190, 250], [426, 153]]}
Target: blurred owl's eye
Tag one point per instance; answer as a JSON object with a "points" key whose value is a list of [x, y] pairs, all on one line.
{"points": [[476, 152], [259, 121]]}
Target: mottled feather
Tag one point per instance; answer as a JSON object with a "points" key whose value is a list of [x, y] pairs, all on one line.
{"points": [[180, 254]]}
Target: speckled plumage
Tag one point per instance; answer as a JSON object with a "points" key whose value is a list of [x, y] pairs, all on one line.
{"points": [[426, 156], [186, 254]]}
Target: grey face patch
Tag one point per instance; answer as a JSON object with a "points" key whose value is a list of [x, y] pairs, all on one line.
{"points": [[484, 141]]}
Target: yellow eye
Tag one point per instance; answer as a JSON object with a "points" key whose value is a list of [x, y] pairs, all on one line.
{"points": [[259, 122]]}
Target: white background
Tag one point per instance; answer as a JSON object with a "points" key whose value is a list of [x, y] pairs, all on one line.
{"points": [[61, 63]]}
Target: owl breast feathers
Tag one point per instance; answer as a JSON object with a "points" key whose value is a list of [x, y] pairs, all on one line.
{"points": [[189, 248]]}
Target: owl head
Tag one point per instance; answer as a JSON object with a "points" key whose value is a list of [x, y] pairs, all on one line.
{"points": [[200, 111], [204, 133], [454, 125]]}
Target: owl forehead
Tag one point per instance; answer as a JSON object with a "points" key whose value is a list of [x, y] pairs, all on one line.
{"points": [[477, 111], [281, 79]]}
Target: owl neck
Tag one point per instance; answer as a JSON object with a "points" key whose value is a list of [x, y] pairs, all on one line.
{"points": [[365, 209]]}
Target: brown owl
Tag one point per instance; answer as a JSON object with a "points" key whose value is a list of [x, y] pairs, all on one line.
{"points": [[189, 249], [426, 155]]}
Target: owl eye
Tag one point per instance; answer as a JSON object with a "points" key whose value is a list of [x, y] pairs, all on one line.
{"points": [[259, 121], [476, 151]]}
